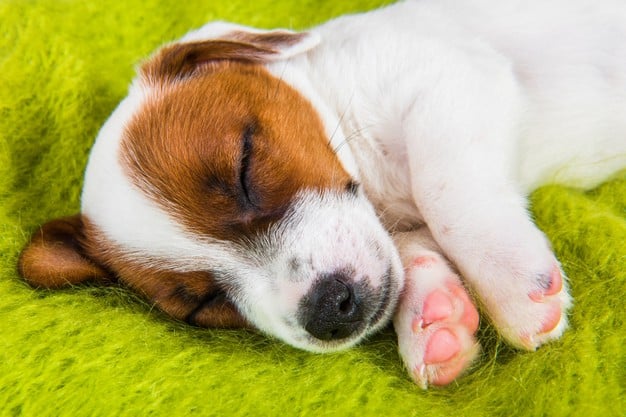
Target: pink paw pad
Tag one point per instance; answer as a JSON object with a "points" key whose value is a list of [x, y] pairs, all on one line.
{"points": [[445, 358], [549, 323], [469, 316], [442, 347], [448, 374], [436, 322], [437, 306], [448, 321]]}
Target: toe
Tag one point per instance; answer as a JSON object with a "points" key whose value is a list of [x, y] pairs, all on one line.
{"points": [[556, 282]]}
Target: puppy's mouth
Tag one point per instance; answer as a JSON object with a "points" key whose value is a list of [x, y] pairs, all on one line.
{"points": [[337, 313]]}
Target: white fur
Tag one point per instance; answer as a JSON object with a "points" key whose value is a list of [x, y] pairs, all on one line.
{"points": [[448, 112]]}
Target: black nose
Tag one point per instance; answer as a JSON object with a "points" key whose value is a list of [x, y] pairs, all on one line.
{"points": [[331, 310]]}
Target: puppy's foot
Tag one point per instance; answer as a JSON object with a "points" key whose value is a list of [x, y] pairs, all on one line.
{"points": [[538, 314], [435, 322]]}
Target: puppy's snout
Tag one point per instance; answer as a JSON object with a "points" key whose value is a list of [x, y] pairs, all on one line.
{"points": [[331, 310]]}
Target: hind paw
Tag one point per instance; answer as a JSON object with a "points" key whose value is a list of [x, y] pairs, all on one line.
{"points": [[436, 323]]}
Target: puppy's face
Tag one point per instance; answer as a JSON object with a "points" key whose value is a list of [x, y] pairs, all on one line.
{"points": [[214, 191]]}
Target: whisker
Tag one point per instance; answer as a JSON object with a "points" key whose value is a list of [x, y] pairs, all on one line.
{"points": [[341, 116], [353, 135]]}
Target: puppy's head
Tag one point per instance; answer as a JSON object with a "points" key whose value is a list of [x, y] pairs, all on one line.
{"points": [[214, 191]]}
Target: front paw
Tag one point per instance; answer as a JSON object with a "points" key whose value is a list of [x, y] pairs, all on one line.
{"points": [[517, 279], [534, 314]]}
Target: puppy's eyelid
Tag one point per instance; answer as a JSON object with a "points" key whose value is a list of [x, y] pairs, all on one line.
{"points": [[244, 167]]}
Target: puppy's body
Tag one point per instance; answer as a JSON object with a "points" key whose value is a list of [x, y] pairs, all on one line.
{"points": [[225, 187], [542, 85]]}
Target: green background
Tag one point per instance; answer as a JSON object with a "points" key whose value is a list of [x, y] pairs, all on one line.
{"points": [[92, 351]]}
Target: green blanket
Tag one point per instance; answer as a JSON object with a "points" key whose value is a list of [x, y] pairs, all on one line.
{"points": [[102, 351]]}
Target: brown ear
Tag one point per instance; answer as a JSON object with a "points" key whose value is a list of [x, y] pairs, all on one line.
{"points": [[55, 258], [182, 59]]}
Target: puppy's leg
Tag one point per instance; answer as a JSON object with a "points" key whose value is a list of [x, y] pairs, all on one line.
{"points": [[461, 145], [508, 263], [435, 320]]}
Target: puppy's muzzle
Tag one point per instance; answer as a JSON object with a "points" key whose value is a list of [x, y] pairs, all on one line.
{"points": [[332, 309]]}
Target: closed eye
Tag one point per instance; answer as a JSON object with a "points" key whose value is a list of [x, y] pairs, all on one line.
{"points": [[255, 208], [249, 199]]}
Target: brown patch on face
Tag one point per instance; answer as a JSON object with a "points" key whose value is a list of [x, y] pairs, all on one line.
{"points": [[226, 150]]}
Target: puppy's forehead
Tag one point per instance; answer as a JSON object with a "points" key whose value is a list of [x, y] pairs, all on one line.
{"points": [[204, 146]]}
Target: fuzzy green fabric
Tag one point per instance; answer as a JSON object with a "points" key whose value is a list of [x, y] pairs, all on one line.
{"points": [[93, 351]]}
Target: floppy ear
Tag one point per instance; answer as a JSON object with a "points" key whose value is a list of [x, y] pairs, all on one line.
{"points": [[218, 42], [55, 256], [285, 43]]}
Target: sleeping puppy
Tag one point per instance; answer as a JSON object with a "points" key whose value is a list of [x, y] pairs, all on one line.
{"points": [[316, 185]]}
